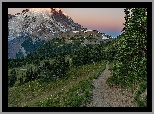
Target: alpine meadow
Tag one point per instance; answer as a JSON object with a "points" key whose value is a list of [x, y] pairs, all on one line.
{"points": [[55, 62]]}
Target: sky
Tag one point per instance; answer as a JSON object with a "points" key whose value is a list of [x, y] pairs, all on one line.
{"points": [[105, 20]]}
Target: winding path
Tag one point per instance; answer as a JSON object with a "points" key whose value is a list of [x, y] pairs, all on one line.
{"points": [[104, 96]]}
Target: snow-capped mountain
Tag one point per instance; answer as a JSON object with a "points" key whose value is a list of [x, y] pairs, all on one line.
{"points": [[44, 23], [37, 23], [33, 27]]}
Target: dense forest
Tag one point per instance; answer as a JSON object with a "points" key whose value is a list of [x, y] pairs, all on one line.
{"points": [[57, 59]]}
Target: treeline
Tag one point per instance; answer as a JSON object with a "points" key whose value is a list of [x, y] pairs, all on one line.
{"points": [[58, 47], [12, 78], [44, 72], [92, 53], [130, 61], [49, 50], [80, 55]]}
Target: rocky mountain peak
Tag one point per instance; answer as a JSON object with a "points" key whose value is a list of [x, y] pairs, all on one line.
{"points": [[37, 24], [37, 21]]}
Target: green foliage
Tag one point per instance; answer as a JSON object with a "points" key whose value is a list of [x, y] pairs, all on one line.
{"points": [[127, 55], [36, 62], [12, 78], [30, 75], [57, 69], [56, 47], [77, 95], [111, 65], [141, 103], [21, 79], [89, 54], [130, 61], [18, 62], [74, 97], [142, 88], [38, 52], [131, 56], [29, 92]]}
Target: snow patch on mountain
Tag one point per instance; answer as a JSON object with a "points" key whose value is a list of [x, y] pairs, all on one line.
{"points": [[104, 37], [23, 51], [75, 31], [88, 30]]}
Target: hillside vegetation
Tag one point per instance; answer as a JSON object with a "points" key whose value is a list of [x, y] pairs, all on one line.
{"points": [[60, 74], [130, 61], [41, 73]]}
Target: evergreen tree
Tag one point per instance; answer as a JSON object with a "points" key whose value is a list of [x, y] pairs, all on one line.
{"points": [[21, 81], [131, 57], [12, 78], [29, 75]]}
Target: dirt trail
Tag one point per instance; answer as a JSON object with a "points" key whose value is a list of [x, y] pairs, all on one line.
{"points": [[104, 96]]}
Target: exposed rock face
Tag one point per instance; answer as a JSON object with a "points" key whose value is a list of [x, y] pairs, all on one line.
{"points": [[14, 46], [24, 11], [38, 23], [44, 24], [90, 36], [9, 16]]}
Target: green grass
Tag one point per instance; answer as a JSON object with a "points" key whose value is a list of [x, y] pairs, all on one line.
{"points": [[111, 65], [74, 97], [111, 81], [27, 66], [78, 95], [142, 88], [28, 92]]}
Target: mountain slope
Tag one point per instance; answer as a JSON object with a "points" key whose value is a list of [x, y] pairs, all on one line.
{"points": [[45, 24], [37, 23], [36, 26]]}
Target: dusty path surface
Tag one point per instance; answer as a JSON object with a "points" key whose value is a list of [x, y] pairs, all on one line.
{"points": [[104, 96]]}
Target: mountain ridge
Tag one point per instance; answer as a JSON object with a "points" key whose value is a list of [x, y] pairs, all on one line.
{"points": [[45, 24]]}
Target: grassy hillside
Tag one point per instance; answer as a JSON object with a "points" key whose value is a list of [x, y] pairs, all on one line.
{"points": [[60, 73], [32, 91]]}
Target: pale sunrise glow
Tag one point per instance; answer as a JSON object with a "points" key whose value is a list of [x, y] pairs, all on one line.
{"points": [[105, 20], [46, 10], [40, 9]]}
